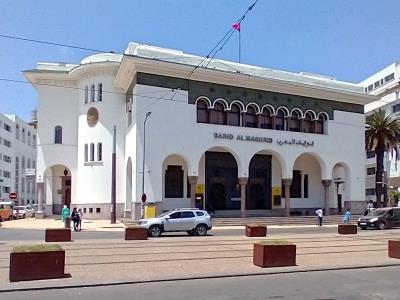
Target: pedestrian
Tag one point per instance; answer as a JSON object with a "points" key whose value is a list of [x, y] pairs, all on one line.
{"points": [[64, 213], [320, 214], [80, 214], [370, 206], [347, 216], [75, 218]]}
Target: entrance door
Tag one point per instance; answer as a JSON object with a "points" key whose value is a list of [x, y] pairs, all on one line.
{"points": [[67, 197], [258, 192], [222, 192], [339, 202]]}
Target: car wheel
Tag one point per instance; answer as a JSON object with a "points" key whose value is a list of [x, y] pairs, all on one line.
{"points": [[155, 231], [382, 226], [23, 216], [191, 232], [201, 230], [363, 228], [33, 215]]}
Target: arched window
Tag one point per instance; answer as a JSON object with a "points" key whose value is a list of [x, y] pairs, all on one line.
{"points": [[250, 117], [218, 114], [319, 124], [99, 151], [234, 115], [86, 153], [100, 92], [91, 152], [92, 93], [280, 120], [58, 135], [86, 94], [308, 123], [203, 114], [294, 121], [266, 119]]}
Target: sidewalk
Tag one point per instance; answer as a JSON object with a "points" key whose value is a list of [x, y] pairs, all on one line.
{"points": [[218, 224], [105, 262]]}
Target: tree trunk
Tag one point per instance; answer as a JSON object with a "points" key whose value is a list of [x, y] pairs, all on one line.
{"points": [[379, 176]]}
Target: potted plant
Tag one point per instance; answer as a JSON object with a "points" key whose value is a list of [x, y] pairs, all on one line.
{"points": [[394, 248], [34, 262], [58, 235], [256, 230], [135, 232], [347, 229], [274, 253]]}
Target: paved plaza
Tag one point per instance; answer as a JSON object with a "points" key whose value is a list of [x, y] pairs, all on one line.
{"points": [[102, 262]]}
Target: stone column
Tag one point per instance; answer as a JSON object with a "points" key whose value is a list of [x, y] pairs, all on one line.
{"points": [[40, 191], [243, 182], [193, 181], [326, 183], [287, 183]]}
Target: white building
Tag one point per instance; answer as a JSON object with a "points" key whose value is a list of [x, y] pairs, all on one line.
{"points": [[385, 85], [233, 138], [17, 153]]}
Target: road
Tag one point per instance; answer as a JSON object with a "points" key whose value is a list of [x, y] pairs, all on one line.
{"points": [[362, 284], [38, 235]]}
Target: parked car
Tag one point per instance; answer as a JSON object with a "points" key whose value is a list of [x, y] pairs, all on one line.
{"points": [[193, 221], [381, 218], [6, 210], [23, 212]]}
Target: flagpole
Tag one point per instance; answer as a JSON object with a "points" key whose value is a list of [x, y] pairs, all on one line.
{"points": [[240, 47]]}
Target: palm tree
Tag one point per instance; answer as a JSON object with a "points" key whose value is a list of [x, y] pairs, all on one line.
{"points": [[382, 135]]}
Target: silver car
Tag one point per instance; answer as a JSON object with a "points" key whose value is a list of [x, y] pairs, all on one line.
{"points": [[193, 221], [23, 212]]}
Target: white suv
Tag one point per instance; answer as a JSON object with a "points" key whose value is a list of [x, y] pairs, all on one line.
{"points": [[193, 221]]}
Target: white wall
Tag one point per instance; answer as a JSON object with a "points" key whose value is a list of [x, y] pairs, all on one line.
{"points": [[172, 129]]}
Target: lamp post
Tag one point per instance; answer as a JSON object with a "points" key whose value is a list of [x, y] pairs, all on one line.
{"points": [[144, 160]]}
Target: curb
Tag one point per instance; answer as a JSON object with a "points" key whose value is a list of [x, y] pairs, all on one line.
{"points": [[227, 227], [74, 286]]}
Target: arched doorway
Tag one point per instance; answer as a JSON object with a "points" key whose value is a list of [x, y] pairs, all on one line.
{"points": [[221, 181], [307, 191], [57, 186], [339, 175], [176, 188], [258, 191]]}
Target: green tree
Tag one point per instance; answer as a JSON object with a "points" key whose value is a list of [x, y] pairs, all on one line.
{"points": [[382, 135]]}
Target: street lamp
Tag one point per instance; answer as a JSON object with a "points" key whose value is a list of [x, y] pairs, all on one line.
{"points": [[144, 159]]}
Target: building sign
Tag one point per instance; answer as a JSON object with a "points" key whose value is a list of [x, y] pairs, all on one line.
{"points": [[30, 172], [260, 139], [303, 143], [240, 137]]}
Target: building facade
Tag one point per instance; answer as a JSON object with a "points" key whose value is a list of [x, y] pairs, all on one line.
{"points": [[17, 154], [231, 138], [385, 85]]}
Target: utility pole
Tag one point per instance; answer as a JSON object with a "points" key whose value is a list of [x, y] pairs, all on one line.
{"points": [[143, 166], [113, 178]]}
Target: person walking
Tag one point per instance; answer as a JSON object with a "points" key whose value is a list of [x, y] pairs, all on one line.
{"points": [[80, 214], [64, 213], [347, 216], [320, 214], [75, 218]]}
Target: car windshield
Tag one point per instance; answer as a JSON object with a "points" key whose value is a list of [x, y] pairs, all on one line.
{"points": [[376, 212]]}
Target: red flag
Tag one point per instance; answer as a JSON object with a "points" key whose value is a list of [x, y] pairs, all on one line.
{"points": [[236, 26]]}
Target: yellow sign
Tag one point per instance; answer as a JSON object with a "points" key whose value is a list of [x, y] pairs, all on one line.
{"points": [[276, 190], [200, 189]]}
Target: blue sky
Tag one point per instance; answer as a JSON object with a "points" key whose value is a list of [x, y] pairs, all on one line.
{"points": [[346, 39]]}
